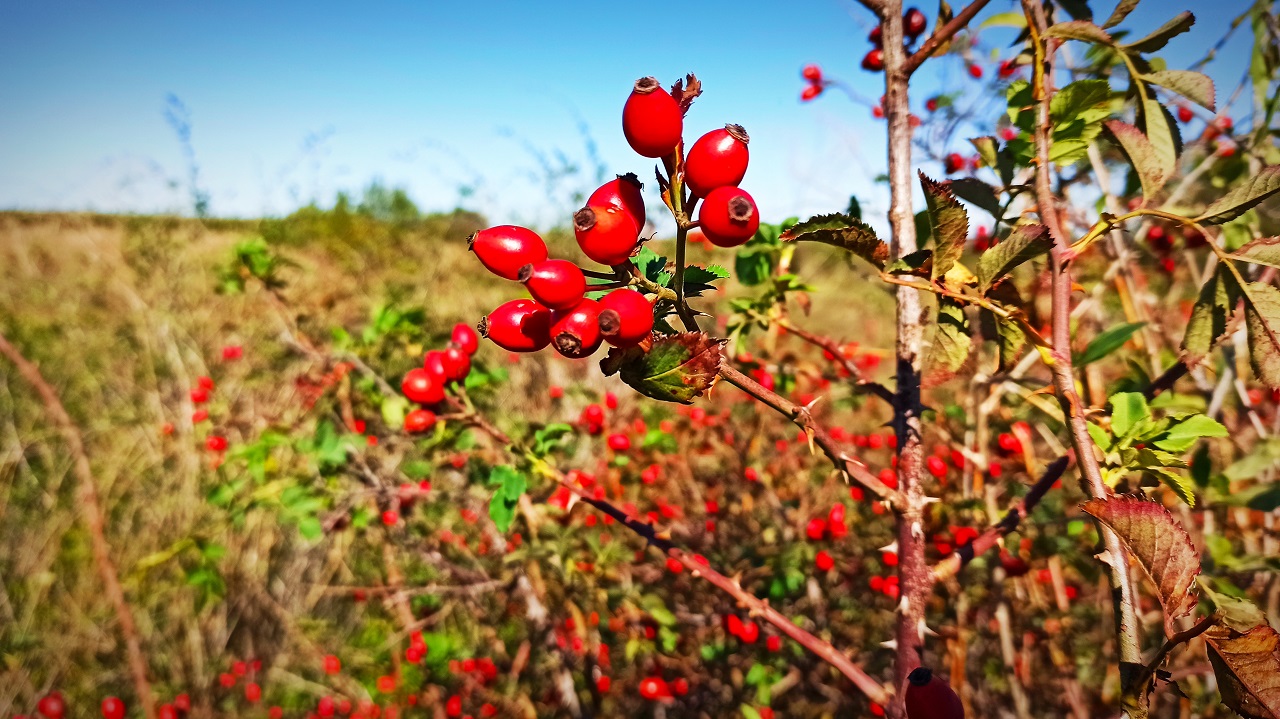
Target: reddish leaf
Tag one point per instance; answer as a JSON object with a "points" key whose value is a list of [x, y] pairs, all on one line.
{"points": [[1161, 545], [1247, 666], [675, 369]]}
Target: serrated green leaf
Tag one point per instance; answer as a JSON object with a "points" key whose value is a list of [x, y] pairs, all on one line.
{"points": [[949, 223], [1262, 251], [1142, 155], [1100, 436], [1108, 341], [1156, 127], [1208, 321], [1246, 195], [1195, 86], [1123, 8], [1161, 36], [1127, 410], [1179, 484], [843, 231], [1024, 243], [1262, 321], [510, 485], [677, 368], [1263, 457], [1183, 435], [1081, 30], [951, 343]]}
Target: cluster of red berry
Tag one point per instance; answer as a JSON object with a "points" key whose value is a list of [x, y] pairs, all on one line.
{"points": [[812, 74], [426, 384], [913, 25], [607, 229]]}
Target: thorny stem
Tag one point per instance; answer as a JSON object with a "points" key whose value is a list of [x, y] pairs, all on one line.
{"points": [[1172, 643], [818, 436], [995, 308], [91, 513], [914, 577], [1123, 592], [832, 347], [699, 567]]}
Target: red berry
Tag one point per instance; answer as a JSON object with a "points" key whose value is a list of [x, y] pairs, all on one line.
{"points": [[876, 37], [419, 420], [913, 22], [622, 193], [619, 442], [1009, 443], [654, 688], [810, 92], [390, 517], [504, 249], [773, 643], [750, 474], [275, 712], [182, 702], [626, 317], [112, 708], [456, 363], [325, 707], [717, 159], [873, 61], [518, 326], [812, 73], [674, 566], [167, 711], [453, 707], [929, 697], [937, 467], [593, 414], [199, 395], [975, 71], [607, 235], [652, 120], [205, 383], [931, 104], [433, 363], [954, 163], [252, 692], [227, 680], [750, 632], [824, 561], [199, 416], [576, 333], [332, 665], [604, 684], [216, 443], [681, 686], [386, 684], [421, 386], [558, 284], [728, 217], [232, 352], [877, 112], [1008, 133], [816, 530], [1007, 68], [464, 337]]}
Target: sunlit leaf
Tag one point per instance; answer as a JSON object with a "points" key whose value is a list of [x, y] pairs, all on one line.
{"points": [[843, 231], [1123, 8], [678, 368], [1082, 30], [1247, 666], [1262, 320], [1024, 243], [1256, 188], [1208, 322], [1108, 341], [1151, 171], [951, 343], [949, 222], [1162, 547], [1195, 86]]}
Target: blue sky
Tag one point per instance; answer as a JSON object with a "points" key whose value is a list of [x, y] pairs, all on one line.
{"points": [[290, 102]]}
